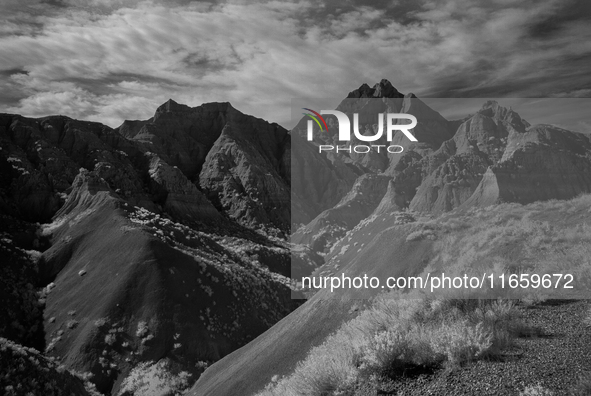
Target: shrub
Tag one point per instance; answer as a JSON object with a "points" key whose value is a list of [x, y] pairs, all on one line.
{"points": [[101, 322], [393, 350], [147, 338], [537, 390], [142, 328], [421, 234], [460, 342], [329, 368], [398, 334], [72, 324], [201, 365], [152, 379], [110, 339]]}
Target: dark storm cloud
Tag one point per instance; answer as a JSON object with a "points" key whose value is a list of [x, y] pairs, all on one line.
{"points": [[108, 60]]}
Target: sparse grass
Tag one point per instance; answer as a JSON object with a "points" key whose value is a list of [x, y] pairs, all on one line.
{"points": [[583, 385], [542, 238], [419, 235], [396, 335], [460, 342]]}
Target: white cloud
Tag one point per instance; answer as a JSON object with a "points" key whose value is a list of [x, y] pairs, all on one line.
{"points": [[121, 64]]}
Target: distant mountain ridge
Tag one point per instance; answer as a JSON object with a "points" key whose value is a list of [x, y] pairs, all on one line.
{"points": [[166, 239], [373, 228], [491, 156]]}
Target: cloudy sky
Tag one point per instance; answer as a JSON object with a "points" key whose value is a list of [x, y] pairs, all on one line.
{"points": [[111, 60]]}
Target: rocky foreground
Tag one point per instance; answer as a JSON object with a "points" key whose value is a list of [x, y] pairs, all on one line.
{"points": [[555, 359]]}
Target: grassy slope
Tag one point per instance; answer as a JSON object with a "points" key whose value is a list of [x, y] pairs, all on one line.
{"points": [[559, 360], [507, 237], [188, 289], [275, 352]]}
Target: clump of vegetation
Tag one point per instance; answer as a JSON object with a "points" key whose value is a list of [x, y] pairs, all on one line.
{"points": [[100, 322], [152, 379], [201, 365], [420, 234], [110, 339], [425, 230], [143, 332], [142, 329], [147, 338], [537, 390], [399, 335], [72, 324]]}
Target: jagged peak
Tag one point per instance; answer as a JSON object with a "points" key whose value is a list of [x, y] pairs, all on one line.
{"points": [[492, 108], [172, 106], [383, 89], [490, 104]]}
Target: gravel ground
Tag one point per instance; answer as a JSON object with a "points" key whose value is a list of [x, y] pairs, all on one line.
{"points": [[554, 360]]}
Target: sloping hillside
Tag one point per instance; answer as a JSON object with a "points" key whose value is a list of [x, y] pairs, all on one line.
{"points": [[489, 157], [457, 167], [156, 248], [141, 287], [506, 238], [26, 371]]}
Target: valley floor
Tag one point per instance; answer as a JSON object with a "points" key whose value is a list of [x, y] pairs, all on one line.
{"points": [[555, 361]]}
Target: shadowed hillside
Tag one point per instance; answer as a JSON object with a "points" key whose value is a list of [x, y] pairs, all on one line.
{"points": [[148, 250]]}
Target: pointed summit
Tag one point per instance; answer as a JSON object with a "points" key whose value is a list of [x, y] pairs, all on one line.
{"points": [[383, 89], [172, 106], [491, 108]]}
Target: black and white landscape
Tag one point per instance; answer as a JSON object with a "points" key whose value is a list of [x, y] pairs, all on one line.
{"points": [[160, 202]]}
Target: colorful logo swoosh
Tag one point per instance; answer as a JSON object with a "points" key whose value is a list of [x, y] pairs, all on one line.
{"points": [[315, 118]]}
